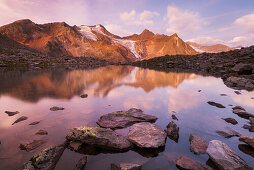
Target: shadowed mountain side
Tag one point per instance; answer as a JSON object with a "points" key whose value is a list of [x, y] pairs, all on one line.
{"points": [[65, 85]]}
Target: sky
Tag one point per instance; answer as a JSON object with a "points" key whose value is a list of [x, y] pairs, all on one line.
{"points": [[206, 22]]}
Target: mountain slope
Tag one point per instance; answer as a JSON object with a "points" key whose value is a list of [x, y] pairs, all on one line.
{"points": [[210, 49]]}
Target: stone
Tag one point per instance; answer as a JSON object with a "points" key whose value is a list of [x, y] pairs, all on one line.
{"points": [[243, 114], [34, 123], [147, 135], [183, 162], [32, 145], [55, 108], [216, 104], [243, 68], [198, 145], [239, 83], [252, 124], [84, 95], [9, 113], [126, 166], [223, 94], [41, 132], [47, 159], [81, 164], [75, 146], [248, 140], [174, 117], [246, 126], [246, 149], [224, 157], [238, 107], [122, 119], [22, 118], [231, 120], [230, 133], [100, 137], [173, 131]]}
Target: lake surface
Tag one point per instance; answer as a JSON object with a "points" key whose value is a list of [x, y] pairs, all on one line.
{"points": [[110, 89]]}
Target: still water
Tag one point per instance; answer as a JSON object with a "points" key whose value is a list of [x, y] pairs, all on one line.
{"points": [[111, 89]]}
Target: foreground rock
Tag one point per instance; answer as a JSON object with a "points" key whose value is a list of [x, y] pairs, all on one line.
{"points": [[147, 135], [41, 132], [197, 144], [173, 131], [9, 113], [81, 164], [183, 162], [243, 68], [126, 166], [84, 95], [231, 120], [248, 140], [216, 104], [34, 123], [55, 108], [241, 112], [100, 137], [229, 133], [122, 119], [22, 118], [45, 160], [224, 157], [32, 145]]}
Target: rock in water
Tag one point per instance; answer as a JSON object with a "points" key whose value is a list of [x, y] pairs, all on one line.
{"points": [[47, 159], [173, 131], [32, 145], [174, 117], [55, 108], [22, 118], [224, 157], [216, 104], [122, 119], [126, 166], [238, 107], [231, 120], [75, 146], [9, 113], [81, 164], [100, 137], [242, 113], [248, 140], [84, 96], [252, 124], [183, 162], [34, 123], [197, 144], [147, 135], [41, 132], [230, 133]]}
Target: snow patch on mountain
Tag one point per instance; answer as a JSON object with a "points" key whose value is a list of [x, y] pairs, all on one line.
{"points": [[130, 45], [86, 31], [197, 49]]}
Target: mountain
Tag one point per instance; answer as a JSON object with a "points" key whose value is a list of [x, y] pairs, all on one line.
{"points": [[210, 49], [59, 39]]}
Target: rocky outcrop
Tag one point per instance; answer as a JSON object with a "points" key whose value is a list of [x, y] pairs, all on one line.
{"points": [[173, 131], [183, 162], [122, 119], [147, 135], [248, 140], [243, 68], [216, 104], [198, 145], [99, 137], [224, 157], [240, 82]]}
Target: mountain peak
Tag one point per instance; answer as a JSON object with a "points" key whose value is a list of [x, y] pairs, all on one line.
{"points": [[175, 35], [147, 32]]}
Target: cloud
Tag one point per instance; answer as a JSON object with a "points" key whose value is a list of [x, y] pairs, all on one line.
{"points": [[117, 30], [205, 40], [142, 19], [184, 22], [246, 23]]}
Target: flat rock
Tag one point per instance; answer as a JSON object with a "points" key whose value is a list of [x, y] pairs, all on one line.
{"points": [[198, 145], [248, 140], [216, 104], [84, 95], [224, 157], [229, 133], [122, 119], [34, 123], [231, 120], [173, 131], [9, 113], [81, 164], [147, 135], [183, 162], [41, 132], [22, 118], [55, 108], [75, 146], [32, 145], [45, 160], [100, 137]]}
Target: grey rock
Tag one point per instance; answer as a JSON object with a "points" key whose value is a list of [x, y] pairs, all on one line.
{"points": [[100, 137], [81, 164], [248, 140], [231, 120], [32, 145], [55, 108], [122, 119], [22, 118], [216, 104], [41, 132], [183, 162], [224, 157], [147, 135], [198, 145], [9, 113], [173, 131]]}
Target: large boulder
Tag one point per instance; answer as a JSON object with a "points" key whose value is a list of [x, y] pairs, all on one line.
{"points": [[198, 145], [243, 68], [122, 119], [248, 140], [100, 137], [173, 131], [147, 135], [224, 157], [183, 162]]}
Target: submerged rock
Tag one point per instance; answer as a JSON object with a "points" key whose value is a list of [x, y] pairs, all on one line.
{"points": [[147, 135], [173, 131], [183, 162], [81, 164], [126, 166], [55, 108], [34, 123], [41, 132], [242, 113], [22, 118], [224, 157], [32, 145], [197, 144], [100, 137], [84, 95], [230, 133], [47, 159], [9, 113], [122, 119], [75, 146], [174, 117], [231, 120], [216, 104], [248, 140]]}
